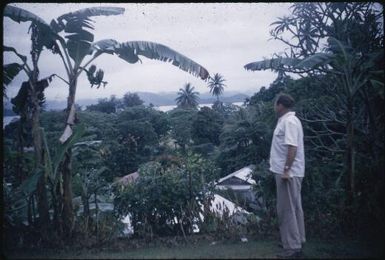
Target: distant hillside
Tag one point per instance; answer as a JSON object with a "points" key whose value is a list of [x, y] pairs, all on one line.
{"points": [[157, 99], [229, 99], [167, 99]]}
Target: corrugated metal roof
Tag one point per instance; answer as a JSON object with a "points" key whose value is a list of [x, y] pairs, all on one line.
{"points": [[243, 174], [127, 178], [221, 204]]}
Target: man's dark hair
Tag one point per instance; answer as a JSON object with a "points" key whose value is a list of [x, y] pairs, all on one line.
{"points": [[285, 100]]}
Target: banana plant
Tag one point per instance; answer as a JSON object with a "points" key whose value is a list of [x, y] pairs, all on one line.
{"points": [[42, 36], [76, 45], [16, 200], [29, 99], [53, 163]]}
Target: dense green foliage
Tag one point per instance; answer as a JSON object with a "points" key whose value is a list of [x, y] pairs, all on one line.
{"points": [[178, 154], [340, 102], [131, 100], [167, 200], [104, 105], [207, 126]]}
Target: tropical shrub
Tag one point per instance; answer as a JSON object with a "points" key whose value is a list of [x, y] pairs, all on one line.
{"points": [[166, 200]]}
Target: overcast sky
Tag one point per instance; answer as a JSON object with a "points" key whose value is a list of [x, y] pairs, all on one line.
{"points": [[222, 37]]}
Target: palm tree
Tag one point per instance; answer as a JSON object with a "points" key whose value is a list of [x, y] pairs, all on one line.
{"points": [[187, 97], [216, 85], [73, 48]]}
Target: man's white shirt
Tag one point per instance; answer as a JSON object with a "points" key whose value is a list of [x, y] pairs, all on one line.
{"points": [[287, 132]]}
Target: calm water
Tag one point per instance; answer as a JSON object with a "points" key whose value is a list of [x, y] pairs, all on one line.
{"points": [[8, 119], [168, 108]]}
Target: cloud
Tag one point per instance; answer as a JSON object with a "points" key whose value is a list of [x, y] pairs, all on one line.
{"points": [[222, 37]]}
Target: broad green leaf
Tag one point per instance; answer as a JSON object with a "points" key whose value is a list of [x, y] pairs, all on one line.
{"points": [[81, 17], [18, 198], [315, 60], [129, 51], [81, 36], [339, 47], [45, 34], [74, 25], [10, 71], [20, 101], [378, 86], [93, 11], [29, 185], [107, 46], [22, 57], [372, 59], [78, 133], [79, 41], [275, 63], [78, 50], [101, 170], [20, 15]]}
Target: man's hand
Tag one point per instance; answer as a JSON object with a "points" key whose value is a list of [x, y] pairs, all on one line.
{"points": [[291, 152], [285, 175]]}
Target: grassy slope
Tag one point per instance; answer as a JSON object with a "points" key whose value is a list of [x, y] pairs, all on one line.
{"points": [[224, 249]]}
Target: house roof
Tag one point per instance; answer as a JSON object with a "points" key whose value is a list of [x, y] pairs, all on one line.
{"points": [[243, 174], [130, 178], [220, 204]]}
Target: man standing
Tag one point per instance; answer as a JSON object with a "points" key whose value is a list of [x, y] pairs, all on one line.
{"points": [[287, 162]]}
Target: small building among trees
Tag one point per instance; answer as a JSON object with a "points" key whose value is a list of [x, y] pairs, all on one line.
{"points": [[238, 187]]}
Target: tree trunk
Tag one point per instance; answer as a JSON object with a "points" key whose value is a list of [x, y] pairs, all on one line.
{"points": [[96, 216], [68, 216], [20, 148], [33, 209], [350, 152], [86, 212], [37, 142], [42, 199], [30, 201], [57, 205], [372, 127]]}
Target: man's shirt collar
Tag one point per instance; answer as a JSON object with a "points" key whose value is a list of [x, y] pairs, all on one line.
{"points": [[290, 113]]}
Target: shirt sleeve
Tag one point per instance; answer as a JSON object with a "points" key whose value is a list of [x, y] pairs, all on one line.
{"points": [[291, 133]]}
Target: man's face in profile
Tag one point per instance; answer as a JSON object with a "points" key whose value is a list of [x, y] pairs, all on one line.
{"points": [[278, 108]]}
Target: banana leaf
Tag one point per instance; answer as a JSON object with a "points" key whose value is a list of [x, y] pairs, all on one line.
{"points": [[130, 51], [10, 71], [22, 57], [20, 15], [273, 64]]}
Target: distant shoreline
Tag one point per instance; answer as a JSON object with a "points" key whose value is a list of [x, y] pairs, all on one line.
{"points": [[156, 99], [170, 107], [8, 119]]}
